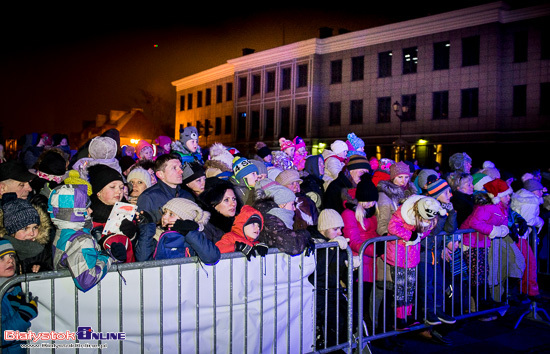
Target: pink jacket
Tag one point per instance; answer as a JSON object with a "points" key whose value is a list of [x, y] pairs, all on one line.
{"points": [[357, 235], [482, 219]]}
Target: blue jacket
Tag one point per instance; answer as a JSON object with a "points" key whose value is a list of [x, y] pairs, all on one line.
{"points": [[172, 244], [11, 320]]}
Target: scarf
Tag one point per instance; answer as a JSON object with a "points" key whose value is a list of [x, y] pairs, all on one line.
{"points": [[25, 249], [286, 216]]}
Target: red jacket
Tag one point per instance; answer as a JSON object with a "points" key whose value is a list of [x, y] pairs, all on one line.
{"points": [[227, 242]]}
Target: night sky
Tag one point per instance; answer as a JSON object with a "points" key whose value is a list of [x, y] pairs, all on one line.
{"points": [[59, 69]]}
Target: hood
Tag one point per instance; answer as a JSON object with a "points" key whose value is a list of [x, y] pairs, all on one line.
{"points": [[240, 220], [311, 165], [43, 230]]}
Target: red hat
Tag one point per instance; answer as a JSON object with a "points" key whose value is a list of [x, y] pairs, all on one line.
{"points": [[496, 189]]}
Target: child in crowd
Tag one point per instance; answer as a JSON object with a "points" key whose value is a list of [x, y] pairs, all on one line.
{"points": [[245, 176], [183, 222], [300, 153], [17, 312]]}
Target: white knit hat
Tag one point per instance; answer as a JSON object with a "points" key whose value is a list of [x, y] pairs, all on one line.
{"points": [[329, 219], [141, 174], [338, 146], [220, 153], [188, 210], [102, 148]]}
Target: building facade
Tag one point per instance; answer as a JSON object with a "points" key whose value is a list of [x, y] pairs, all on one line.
{"points": [[475, 80]]}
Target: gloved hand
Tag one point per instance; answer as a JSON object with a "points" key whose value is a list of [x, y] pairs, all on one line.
{"points": [[310, 247], [184, 226], [342, 242], [245, 249], [118, 251], [27, 310], [261, 249], [499, 231], [356, 260], [128, 228], [415, 239], [96, 232], [144, 217], [514, 232]]}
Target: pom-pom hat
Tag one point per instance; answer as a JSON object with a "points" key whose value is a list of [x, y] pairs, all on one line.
{"points": [[243, 167], [497, 189], [18, 213]]}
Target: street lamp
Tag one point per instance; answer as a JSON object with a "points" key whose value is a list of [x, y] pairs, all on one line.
{"points": [[400, 111]]}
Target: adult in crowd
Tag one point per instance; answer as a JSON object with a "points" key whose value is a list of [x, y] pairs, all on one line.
{"points": [[306, 211], [15, 178], [463, 196], [139, 180]]}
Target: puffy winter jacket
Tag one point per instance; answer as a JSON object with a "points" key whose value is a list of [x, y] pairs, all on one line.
{"points": [[482, 219]]}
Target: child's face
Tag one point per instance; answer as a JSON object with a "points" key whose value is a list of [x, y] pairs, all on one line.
{"points": [[192, 145], [7, 265], [168, 218], [112, 193], [197, 185], [251, 179], [252, 230], [332, 232], [146, 153], [29, 233], [290, 151], [301, 150], [268, 158]]}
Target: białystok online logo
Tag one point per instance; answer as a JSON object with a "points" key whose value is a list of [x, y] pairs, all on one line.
{"points": [[82, 333]]}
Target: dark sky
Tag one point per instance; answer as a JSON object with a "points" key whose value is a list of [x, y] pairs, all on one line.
{"points": [[61, 68]]}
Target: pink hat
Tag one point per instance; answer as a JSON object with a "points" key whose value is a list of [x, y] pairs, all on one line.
{"points": [[285, 144], [299, 142], [142, 144], [399, 168]]}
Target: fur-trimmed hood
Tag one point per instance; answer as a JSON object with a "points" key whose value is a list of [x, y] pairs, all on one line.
{"points": [[44, 230], [396, 193]]}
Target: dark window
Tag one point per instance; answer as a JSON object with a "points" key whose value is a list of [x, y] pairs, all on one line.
{"points": [[469, 103], [336, 71], [384, 110], [520, 101], [219, 94], [285, 79], [241, 126], [410, 102], [208, 97], [545, 44], [218, 127], [270, 82], [545, 98], [442, 52], [440, 105], [301, 120], [255, 125], [410, 60], [520, 47], [242, 86], [189, 101], [182, 103], [199, 99], [470, 51], [384, 64], [269, 124], [357, 68], [229, 91], [228, 125], [356, 112], [302, 76], [256, 84], [335, 111], [285, 122]]}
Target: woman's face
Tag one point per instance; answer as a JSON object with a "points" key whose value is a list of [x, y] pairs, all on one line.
{"points": [[7, 265], [333, 232], [197, 185], [111, 193], [138, 186], [168, 218], [29, 233], [466, 187], [228, 206], [367, 205], [401, 180]]}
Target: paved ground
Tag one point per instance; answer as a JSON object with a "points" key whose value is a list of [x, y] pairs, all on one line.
{"points": [[474, 336]]}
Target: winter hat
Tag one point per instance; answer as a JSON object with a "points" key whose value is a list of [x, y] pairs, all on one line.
{"points": [[256, 217], [5, 247], [68, 202], [299, 142], [74, 178], [437, 187], [423, 175], [338, 146], [329, 219], [496, 189], [101, 175], [52, 163], [189, 133], [102, 148], [356, 162], [355, 141], [429, 207], [15, 170], [141, 174], [142, 144], [285, 144], [374, 163], [220, 153], [126, 162], [366, 190], [264, 151], [192, 171], [188, 210], [163, 140], [262, 168], [491, 172], [287, 177], [532, 185], [456, 161], [526, 176], [266, 183], [479, 180], [243, 167], [399, 168], [281, 195], [488, 164], [18, 213]]}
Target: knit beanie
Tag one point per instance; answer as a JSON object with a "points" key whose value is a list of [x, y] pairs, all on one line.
{"points": [[491, 172], [219, 152], [356, 162], [142, 144], [192, 171], [355, 141], [338, 146], [299, 142], [189, 133], [366, 190], [243, 167], [496, 189], [399, 168], [18, 213], [479, 180], [101, 175], [281, 195], [68, 202], [264, 151], [437, 187], [5, 247], [285, 144], [488, 164], [287, 177], [329, 219], [141, 174], [262, 168], [532, 185], [74, 178], [188, 210], [52, 163], [102, 148], [126, 162], [163, 140]]}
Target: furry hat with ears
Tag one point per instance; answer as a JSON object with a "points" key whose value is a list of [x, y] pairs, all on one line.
{"points": [[220, 153]]}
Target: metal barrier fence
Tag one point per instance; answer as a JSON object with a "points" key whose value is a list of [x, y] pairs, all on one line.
{"points": [[279, 303]]}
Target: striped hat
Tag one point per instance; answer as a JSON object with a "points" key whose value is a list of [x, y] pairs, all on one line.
{"points": [[356, 162], [479, 180], [437, 187], [5, 247]]}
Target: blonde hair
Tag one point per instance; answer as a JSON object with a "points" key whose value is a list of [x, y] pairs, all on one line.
{"points": [[360, 214], [419, 219]]}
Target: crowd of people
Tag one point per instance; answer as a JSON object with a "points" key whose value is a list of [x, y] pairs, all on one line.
{"points": [[190, 200]]}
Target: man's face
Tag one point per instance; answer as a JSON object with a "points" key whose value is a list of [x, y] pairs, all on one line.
{"points": [[172, 173], [22, 189]]}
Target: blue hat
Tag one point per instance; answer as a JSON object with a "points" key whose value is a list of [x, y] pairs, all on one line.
{"points": [[243, 167]]}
